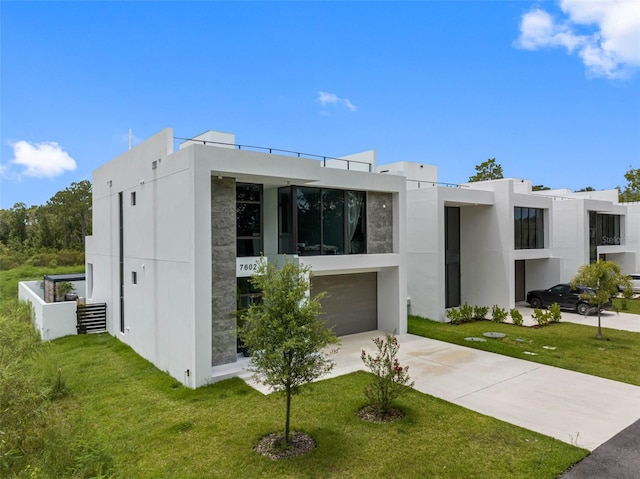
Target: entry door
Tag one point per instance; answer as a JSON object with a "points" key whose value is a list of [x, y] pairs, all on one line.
{"points": [[521, 291]]}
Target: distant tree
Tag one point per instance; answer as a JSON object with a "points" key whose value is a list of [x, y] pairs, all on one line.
{"points": [[604, 278], [539, 188], [62, 223], [631, 191], [588, 188], [284, 333], [71, 211], [487, 170]]}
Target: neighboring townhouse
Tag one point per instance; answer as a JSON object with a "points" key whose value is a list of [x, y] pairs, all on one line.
{"points": [[490, 242], [177, 234], [592, 225], [480, 243]]}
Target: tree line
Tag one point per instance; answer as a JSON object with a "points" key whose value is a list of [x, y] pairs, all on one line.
{"points": [[59, 225]]}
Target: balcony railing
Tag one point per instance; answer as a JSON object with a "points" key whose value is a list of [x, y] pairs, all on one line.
{"points": [[323, 159], [434, 184]]}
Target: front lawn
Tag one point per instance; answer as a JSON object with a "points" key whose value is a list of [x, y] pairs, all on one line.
{"points": [[125, 418], [565, 345], [632, 306], [94, 408]]}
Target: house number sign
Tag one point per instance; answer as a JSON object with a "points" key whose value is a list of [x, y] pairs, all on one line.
{"points": [[247, 266]]}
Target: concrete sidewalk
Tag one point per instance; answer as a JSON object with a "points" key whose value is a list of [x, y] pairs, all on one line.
{"points": [[573, 407]]}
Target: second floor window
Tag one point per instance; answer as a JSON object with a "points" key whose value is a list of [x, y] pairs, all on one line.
{"points": [[321, 221], [604, 230], [248, 219], [528, 228]]}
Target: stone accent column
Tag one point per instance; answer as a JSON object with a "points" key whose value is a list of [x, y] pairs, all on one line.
{"points": [[223, 270], [379, 222]]}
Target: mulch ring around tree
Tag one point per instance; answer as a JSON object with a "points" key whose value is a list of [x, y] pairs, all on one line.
{"points": [[374, 414], [269, 445]]}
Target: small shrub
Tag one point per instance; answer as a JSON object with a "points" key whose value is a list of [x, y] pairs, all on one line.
{"points": [[555, 315], [541, 317], [454, 315], [466, 313], [390, 379], [516, 317], [480, 312], [498, 314]]}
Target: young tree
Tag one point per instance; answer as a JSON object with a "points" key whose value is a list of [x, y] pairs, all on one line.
{"points": [[631, 192], [487, 170], [286, 337], [604, 278]]}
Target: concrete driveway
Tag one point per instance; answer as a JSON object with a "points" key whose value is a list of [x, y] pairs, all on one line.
{"points": [[573, 407]]}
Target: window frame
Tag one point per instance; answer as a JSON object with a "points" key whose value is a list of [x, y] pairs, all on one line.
{"points": [[289, 215], [260, 203], [528, 228]]}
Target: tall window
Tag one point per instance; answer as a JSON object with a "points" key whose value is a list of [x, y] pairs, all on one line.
{"points": [[528, 228], [604, 230], [452, 256], [248, 219], [321, 221]]}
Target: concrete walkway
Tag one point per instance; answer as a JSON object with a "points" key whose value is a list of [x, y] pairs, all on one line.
{"points": [[573, 407]]}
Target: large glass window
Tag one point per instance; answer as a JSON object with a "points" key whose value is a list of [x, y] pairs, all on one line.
{"points": [[333, 221], [528, 228], [604, 230], [321, 221], [309, 209], [248, 219]]}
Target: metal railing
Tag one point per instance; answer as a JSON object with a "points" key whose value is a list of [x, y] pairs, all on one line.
{"points": [[434, 184], [270, 150]]}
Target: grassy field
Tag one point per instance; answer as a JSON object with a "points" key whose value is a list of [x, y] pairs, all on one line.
{"points": [[116, 415], [575, 345]]}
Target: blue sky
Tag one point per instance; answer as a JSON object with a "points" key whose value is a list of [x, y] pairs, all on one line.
{"points": [[550, 89]]}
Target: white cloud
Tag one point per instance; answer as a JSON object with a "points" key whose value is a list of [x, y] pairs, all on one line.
{"points": [[605, 34], [42, 160], [325, 98]]}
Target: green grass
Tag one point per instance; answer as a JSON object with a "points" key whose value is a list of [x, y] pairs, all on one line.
{"points": [[143, 424], [633, 306], [122, 417], [576, 346]]}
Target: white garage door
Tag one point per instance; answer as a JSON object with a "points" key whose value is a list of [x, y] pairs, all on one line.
{"points": [[351, 301]]}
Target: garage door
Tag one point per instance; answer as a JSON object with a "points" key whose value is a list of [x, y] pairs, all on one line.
{"points": [[351, 301]]}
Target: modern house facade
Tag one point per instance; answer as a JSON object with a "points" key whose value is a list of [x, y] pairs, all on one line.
{"points": [[177, 234], [178, 231], [489, 242]]}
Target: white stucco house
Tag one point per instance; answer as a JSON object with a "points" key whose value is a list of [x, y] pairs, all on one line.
{"points": [[490, 242], [177, 232]]}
